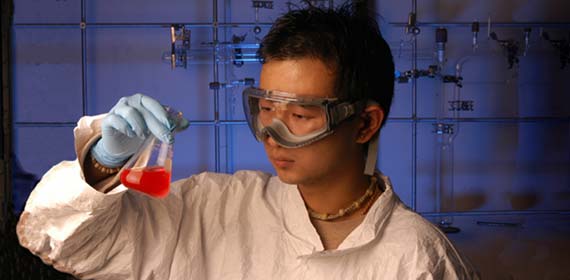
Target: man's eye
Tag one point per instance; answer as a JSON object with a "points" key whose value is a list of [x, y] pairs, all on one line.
{"points": [[301, 117], [266, 108]]}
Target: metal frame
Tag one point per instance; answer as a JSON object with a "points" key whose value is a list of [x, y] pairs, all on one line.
{"points": [[217, 122]]}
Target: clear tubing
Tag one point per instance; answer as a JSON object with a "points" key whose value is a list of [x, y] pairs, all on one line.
{"points": [[445, 175], [444, 188]]}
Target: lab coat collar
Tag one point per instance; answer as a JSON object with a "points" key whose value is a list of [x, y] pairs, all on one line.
{"points": [[303, 237]]}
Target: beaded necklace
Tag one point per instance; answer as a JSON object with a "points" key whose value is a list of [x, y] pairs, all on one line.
{"points": [[357, 204]]}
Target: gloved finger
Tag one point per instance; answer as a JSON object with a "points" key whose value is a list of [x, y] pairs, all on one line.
{"points": [[155, 116], [113, 123], [158, 111], [133, 117], [151, 106], [158, 129]]}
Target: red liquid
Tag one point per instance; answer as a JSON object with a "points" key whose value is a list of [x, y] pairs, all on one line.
{"points": [[154, 180]]}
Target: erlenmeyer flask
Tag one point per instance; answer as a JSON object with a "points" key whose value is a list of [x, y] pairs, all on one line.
{"points": [[149, 169]]}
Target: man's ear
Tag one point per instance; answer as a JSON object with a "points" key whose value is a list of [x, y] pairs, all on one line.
{"points": [[372, 118]]}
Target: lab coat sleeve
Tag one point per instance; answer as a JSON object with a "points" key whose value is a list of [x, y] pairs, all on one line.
{"points": [[96, 235]]}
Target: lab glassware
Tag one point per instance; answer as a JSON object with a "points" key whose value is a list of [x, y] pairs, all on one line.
{"points": [[149, 169]]}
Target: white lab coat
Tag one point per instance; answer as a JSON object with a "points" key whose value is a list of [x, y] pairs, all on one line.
{"points": [[248, 225]]}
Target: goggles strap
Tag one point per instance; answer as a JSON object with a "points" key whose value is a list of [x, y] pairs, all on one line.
{"points": [[372, 155], [344, 111]]}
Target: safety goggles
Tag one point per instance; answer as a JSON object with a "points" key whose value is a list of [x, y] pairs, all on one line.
{"points": [[294, 121]]}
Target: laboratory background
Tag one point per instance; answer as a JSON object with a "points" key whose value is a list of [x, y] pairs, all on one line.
{"points": [[478, 139]]}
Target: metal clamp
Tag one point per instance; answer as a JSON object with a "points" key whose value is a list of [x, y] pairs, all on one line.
{"points": [[442, 128], [411, 27], [233, 83], [433, 71], [180, 45]]}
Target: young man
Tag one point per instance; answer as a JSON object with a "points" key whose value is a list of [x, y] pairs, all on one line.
{"points": [[325, 90]]}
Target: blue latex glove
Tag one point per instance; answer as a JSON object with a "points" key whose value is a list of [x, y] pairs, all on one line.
{"points": [[127, 125]]}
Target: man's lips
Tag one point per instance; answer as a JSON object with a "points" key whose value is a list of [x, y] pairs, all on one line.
{"points": [[282, 161]]}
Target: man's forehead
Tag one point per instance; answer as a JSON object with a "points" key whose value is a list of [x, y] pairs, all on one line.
{"points": [[303, 77]]}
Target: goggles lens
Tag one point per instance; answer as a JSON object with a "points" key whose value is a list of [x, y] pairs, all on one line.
{"points": [[300, 119]]}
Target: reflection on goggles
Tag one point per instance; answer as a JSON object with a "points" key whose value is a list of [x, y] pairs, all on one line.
{"points": [[300, 119], [291, 120]]}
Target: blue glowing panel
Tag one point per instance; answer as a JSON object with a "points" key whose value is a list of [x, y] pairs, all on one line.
{"points": [[148, 11], [495, 166], [245, 153], [401, 53], [540, 76], [402, 102], [243, 11], [500, 11], [124, 61], [193, 152], [466, 11], [38, 148], [394, 158], [233, 96], [58, 11], [47, 75]]}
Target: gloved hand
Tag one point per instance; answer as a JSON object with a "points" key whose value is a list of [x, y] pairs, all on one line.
{"points": [[127, 125]]}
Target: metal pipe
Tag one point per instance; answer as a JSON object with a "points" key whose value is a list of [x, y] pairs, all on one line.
{"points": [[216, 91], [414, 115], [83, 26], [228, 98]]}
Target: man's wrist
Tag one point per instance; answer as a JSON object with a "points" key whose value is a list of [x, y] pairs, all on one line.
{"points": [[101, 168], [103, 158]]}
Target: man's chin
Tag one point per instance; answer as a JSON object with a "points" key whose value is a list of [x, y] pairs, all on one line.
{"points": [[287, 177]]}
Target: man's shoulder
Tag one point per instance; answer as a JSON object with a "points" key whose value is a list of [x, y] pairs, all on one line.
{"points": [[407, 226], [424, 246]]}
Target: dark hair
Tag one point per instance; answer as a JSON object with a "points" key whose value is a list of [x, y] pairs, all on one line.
{"points": [[347, 39]]}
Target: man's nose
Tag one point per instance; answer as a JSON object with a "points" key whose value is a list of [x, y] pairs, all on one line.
{"points": [[270, 141]]}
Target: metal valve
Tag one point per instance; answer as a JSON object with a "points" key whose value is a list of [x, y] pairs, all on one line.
{"points": [[258, 4], [233, 83], [180, 45]]}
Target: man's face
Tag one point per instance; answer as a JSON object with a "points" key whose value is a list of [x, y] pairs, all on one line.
{"points": [[319, 160]]}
